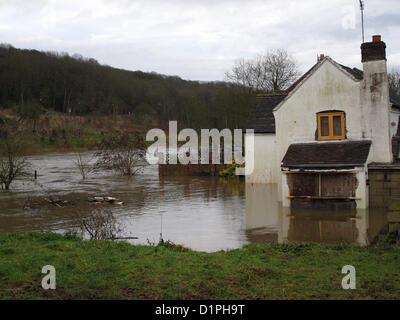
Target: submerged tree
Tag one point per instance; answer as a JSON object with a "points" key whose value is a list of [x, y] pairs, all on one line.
{"points": [[82, 163], [13, 164], [273, 71], [122, 153]]}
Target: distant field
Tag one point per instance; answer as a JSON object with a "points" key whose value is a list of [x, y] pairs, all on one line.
{"points": [[118, 270]]}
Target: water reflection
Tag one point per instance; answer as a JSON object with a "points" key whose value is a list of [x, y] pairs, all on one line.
{"points": [[263, 213], [203, 213], [268, 221]]}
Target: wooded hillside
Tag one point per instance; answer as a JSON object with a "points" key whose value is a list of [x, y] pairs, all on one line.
{"points": [[32, 82]]}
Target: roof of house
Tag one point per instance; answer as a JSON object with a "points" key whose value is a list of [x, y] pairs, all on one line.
{"points": [[356, 73], [261, 118], [327, 155]]}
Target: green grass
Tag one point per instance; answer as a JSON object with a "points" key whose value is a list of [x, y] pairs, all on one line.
{"points": [[118, 270], [65, 141]]}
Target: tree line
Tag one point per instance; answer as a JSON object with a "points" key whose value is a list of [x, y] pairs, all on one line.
{"points": [[32, 82]]}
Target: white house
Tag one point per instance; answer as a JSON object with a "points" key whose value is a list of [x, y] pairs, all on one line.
{"points": [[316, 139]]}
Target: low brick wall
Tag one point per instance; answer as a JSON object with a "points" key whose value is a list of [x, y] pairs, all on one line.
{"points": [[190, 169]]}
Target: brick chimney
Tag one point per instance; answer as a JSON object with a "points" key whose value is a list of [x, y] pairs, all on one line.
{"points": [[375, 99], [375, 50]]}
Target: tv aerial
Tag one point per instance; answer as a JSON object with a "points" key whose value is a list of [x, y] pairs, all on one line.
{"points": [[362, 18]]}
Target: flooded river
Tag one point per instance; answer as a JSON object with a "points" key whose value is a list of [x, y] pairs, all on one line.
{"points": [[203, 213]]}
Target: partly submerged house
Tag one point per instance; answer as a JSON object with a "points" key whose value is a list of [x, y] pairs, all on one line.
{"points": [[316, 139]]}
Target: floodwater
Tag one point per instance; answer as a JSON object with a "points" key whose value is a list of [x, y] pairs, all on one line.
{"points": [[202, 213]]}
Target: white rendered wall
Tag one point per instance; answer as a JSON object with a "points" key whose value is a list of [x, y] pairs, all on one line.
{"points": [[362, 189], [330, 88], [376, 107], [265, 164]]}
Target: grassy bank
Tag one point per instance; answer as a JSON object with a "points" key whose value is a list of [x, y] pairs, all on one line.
{"points": [[58, 132], [117, 270]]}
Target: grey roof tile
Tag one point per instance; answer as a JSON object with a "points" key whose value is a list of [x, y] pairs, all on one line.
{"points": [[327, 154]]}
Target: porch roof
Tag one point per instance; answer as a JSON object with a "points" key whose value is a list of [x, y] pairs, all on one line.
{"points": [[327, 154]]}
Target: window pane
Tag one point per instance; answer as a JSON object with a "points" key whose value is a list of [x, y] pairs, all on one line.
{"points": [[324, 126], [337, 126]]}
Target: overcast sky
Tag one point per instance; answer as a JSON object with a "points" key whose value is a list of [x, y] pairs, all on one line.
{"points": [[199, 39]]}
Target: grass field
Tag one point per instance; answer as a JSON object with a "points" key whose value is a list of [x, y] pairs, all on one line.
{"points": [[118, 270]]}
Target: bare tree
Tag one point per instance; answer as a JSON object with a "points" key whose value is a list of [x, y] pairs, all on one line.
{"points": [[13, 164], [273, 71], [394, 81]]}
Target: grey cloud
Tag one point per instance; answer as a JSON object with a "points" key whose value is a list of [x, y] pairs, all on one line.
{"points": [[195, 39]]}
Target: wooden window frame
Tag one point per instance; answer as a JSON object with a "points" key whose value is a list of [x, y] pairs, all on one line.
{"points": [[330, 116]]}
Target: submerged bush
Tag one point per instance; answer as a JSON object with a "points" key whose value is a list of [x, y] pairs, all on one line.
{"points": [[230, 172], [170, 245], [100, 224]]}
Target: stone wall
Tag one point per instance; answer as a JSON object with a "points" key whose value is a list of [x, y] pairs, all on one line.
{"points": [[384, 185], [190, 169], [394, 216]]}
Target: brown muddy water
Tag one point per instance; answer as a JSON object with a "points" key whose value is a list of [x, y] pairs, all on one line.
{"points": [[202, 213]]}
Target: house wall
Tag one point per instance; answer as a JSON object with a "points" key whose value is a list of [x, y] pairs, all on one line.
{"points": [[366, 105], [265, 164], [376, 109], [362, 191], [328, 88]]}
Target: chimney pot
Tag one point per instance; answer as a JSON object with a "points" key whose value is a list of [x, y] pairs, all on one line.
{"points": [[322, 56], [376, 38]]}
